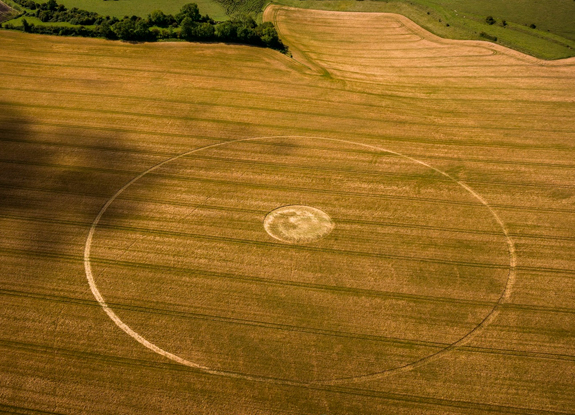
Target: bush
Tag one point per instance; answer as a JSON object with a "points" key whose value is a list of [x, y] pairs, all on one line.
{"points": [[490, 20], [488, 36], [190, 11], [225, 31], [26, 26], [132, 28], [158, 18], [269, 36]]}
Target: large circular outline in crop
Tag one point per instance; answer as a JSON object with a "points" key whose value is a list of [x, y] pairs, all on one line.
{"points": [[128, 330]]}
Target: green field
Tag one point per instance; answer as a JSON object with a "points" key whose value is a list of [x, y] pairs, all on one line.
{"points": [[142, 8], [162, 250], [556, 16]]}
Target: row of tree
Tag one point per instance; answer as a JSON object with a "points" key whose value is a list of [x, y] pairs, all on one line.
{"points": [[188, 25]]}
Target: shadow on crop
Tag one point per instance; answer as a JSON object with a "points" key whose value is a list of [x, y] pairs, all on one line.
{"points": [[53, 181]]}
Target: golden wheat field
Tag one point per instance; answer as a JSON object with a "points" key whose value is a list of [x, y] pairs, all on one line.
{"points": [[384, 223]]}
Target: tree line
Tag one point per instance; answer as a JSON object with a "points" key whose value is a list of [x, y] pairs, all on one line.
{"points": [[188, 25]]}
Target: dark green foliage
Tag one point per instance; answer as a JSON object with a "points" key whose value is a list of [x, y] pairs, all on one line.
{"points": [[51, 5], [187, 28], [244, 29], [54, 12], [141, 31], [488, 36], [269, 36], [158, 18], [205, 31], [532, 26], [191, 30], [188, 24], [245, 26], [105, 30], [26, 26], [124, 29], [132, 28], [225, 30], [490, 20], [190, 11]]}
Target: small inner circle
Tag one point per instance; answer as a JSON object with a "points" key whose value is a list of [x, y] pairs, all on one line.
{"points": [[298, 224]]}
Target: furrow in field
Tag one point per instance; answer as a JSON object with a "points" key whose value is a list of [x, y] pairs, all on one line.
{"points": [[292, 168]]}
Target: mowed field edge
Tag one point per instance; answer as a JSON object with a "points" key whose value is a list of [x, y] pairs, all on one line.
{"points": [[391, 40]]}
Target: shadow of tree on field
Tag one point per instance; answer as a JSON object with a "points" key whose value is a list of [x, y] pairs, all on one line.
{"points": [[53, 181]]}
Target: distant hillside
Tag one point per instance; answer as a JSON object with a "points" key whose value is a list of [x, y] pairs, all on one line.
{"points": [[541, 28], [6, 12]]}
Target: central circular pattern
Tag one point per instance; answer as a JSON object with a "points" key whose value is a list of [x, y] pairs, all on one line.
{"points": [[298, 224]]}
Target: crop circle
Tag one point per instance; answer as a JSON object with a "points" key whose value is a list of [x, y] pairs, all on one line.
{"points": [[298, 224], [395, 284]]}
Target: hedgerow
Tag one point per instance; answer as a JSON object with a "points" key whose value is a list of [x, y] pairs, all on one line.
{"points": [[187, 25]]}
